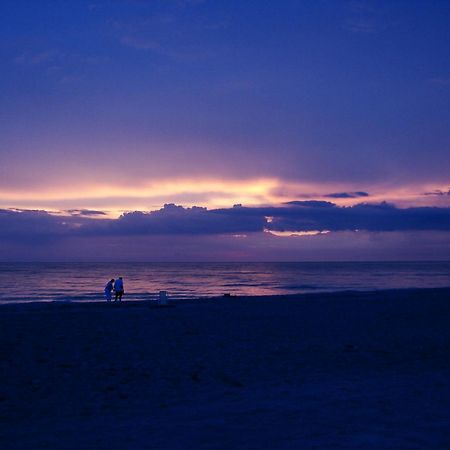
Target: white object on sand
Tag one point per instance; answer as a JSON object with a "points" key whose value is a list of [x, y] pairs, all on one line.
{"points": [[163, 299]]}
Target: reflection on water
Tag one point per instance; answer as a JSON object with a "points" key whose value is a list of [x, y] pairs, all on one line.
{"points": [[85, 281]]}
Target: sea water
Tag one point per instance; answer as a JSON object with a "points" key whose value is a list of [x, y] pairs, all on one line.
{"points": [[25, 282]]}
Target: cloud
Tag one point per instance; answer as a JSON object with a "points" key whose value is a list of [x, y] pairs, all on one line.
{"points": [[140, 43], [440, 81], [16, 225], [182, 53], [437, 193], [168, 28], [62, 67], [347, 194], [361, 26], [94, 6], [178, 3], [369, 217], [33, 225], [174, 219], [37, 58], [310, 203], [84, 212], [361, 18]]}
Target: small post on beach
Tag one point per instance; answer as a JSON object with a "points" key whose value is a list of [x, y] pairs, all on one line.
{"points": [[163, 299]]}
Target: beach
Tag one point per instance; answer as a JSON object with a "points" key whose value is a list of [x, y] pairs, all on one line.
{"points": [[339, 370]]}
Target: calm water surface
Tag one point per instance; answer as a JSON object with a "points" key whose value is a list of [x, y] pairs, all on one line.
{"points": [[23, 282]]}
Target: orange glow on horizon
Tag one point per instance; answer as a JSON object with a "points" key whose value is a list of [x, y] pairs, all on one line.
{"points": [[210, 193], [159, 188], [148, 196], [296, 233]]}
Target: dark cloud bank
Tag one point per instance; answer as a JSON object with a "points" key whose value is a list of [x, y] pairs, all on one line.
{"points": [[20, 225], [348, 194]]}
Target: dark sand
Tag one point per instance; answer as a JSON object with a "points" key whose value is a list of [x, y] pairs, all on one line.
{"points": [[344, 371]]}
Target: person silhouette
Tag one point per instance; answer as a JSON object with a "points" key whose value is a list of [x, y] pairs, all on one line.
{"points": [[108, 290], [118, 289]]}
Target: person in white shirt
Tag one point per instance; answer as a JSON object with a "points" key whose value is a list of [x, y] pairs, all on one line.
{"points": [[118, 289], [108, 290]]}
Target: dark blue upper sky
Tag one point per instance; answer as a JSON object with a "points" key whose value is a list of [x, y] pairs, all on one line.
{"points": [[129, 104]]}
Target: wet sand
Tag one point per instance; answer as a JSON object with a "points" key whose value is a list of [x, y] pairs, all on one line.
{"points": [[347, 370]]}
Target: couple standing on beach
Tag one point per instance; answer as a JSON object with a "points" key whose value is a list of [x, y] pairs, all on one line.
{"points": [[117, 286]]}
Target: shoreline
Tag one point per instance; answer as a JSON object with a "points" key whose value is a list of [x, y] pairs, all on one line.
{"points": [[339, 294]]}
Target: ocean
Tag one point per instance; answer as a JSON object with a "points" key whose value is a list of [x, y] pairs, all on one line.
{"points": [[30, 282]]}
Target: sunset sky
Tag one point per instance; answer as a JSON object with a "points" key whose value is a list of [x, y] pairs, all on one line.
{"points": [[327, 121]]}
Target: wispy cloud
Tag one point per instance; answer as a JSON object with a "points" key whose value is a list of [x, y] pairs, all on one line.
{"points": [[178, 3], [347, 194], [236, 85], [437, 193], [62, 67], [95, 6], [179, 53], [54, 57], [36, 58], [169, 29], [140, 43], [361, 18], [85, 212], [440, 81]]}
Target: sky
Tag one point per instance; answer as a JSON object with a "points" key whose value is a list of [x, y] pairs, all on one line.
{"points": [[179, 130]]}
